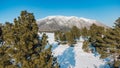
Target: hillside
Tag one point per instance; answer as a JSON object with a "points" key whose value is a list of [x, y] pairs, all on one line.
{"points": [[74, 57], [54, 23]]}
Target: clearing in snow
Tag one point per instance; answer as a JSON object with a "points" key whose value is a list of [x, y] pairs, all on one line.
{"points": [[74, 57]]}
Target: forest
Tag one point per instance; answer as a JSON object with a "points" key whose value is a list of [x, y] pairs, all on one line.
{"points": [[106, 41], [21, 47]]}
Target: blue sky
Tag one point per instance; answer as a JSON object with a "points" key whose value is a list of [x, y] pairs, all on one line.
{"points": [[105, 11]]}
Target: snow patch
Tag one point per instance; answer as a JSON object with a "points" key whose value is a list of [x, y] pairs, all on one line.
{"points": [[86, 60], [59, 50], [50, 39]]}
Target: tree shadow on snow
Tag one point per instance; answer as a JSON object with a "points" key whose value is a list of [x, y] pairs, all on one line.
{"points": [[67, 59]]}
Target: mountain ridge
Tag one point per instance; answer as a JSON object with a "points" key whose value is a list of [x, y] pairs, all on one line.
{"points": [[64, 23]]}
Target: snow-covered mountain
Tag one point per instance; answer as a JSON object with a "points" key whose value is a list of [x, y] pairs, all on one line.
{"points": [[53, 23]]}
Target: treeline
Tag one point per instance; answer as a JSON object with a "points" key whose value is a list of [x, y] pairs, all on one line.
{"points": [[69, 37], [73, 35], [105, 41], [21, 47]]}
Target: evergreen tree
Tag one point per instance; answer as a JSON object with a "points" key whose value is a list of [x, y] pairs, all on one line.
{"points": [[109, 44], [56, 35], [23, 46], [70, 38], [95, 34], [76, 32], [84, 32], [85, 46], [1, 38], [117, 42], [60, 36]]}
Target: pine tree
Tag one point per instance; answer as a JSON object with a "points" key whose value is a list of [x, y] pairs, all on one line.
{"points": [[85, 46], [23, 45], [95, 34], [7, 37], [76, 32], [84, 32], [56, 35], [1, 37], [70, 38], [117, 42], [60, 36], [109, 44]]}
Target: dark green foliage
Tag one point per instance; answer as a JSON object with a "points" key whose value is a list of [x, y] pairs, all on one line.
{"points": [[106, 41], [117, 23], [73, 35], [85, 46], [84, 32], [60, 36], [110, 44], [96, 32], [56, 35], [44, 40], [76, 32], [23, 45], [1, 37], [69, 37]]}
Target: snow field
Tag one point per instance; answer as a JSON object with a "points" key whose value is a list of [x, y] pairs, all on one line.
{"points": [[73, 57]]}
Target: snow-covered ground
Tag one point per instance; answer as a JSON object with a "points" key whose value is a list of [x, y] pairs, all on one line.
{"points": [[50, 37], [86, 60], [74, 57]]}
